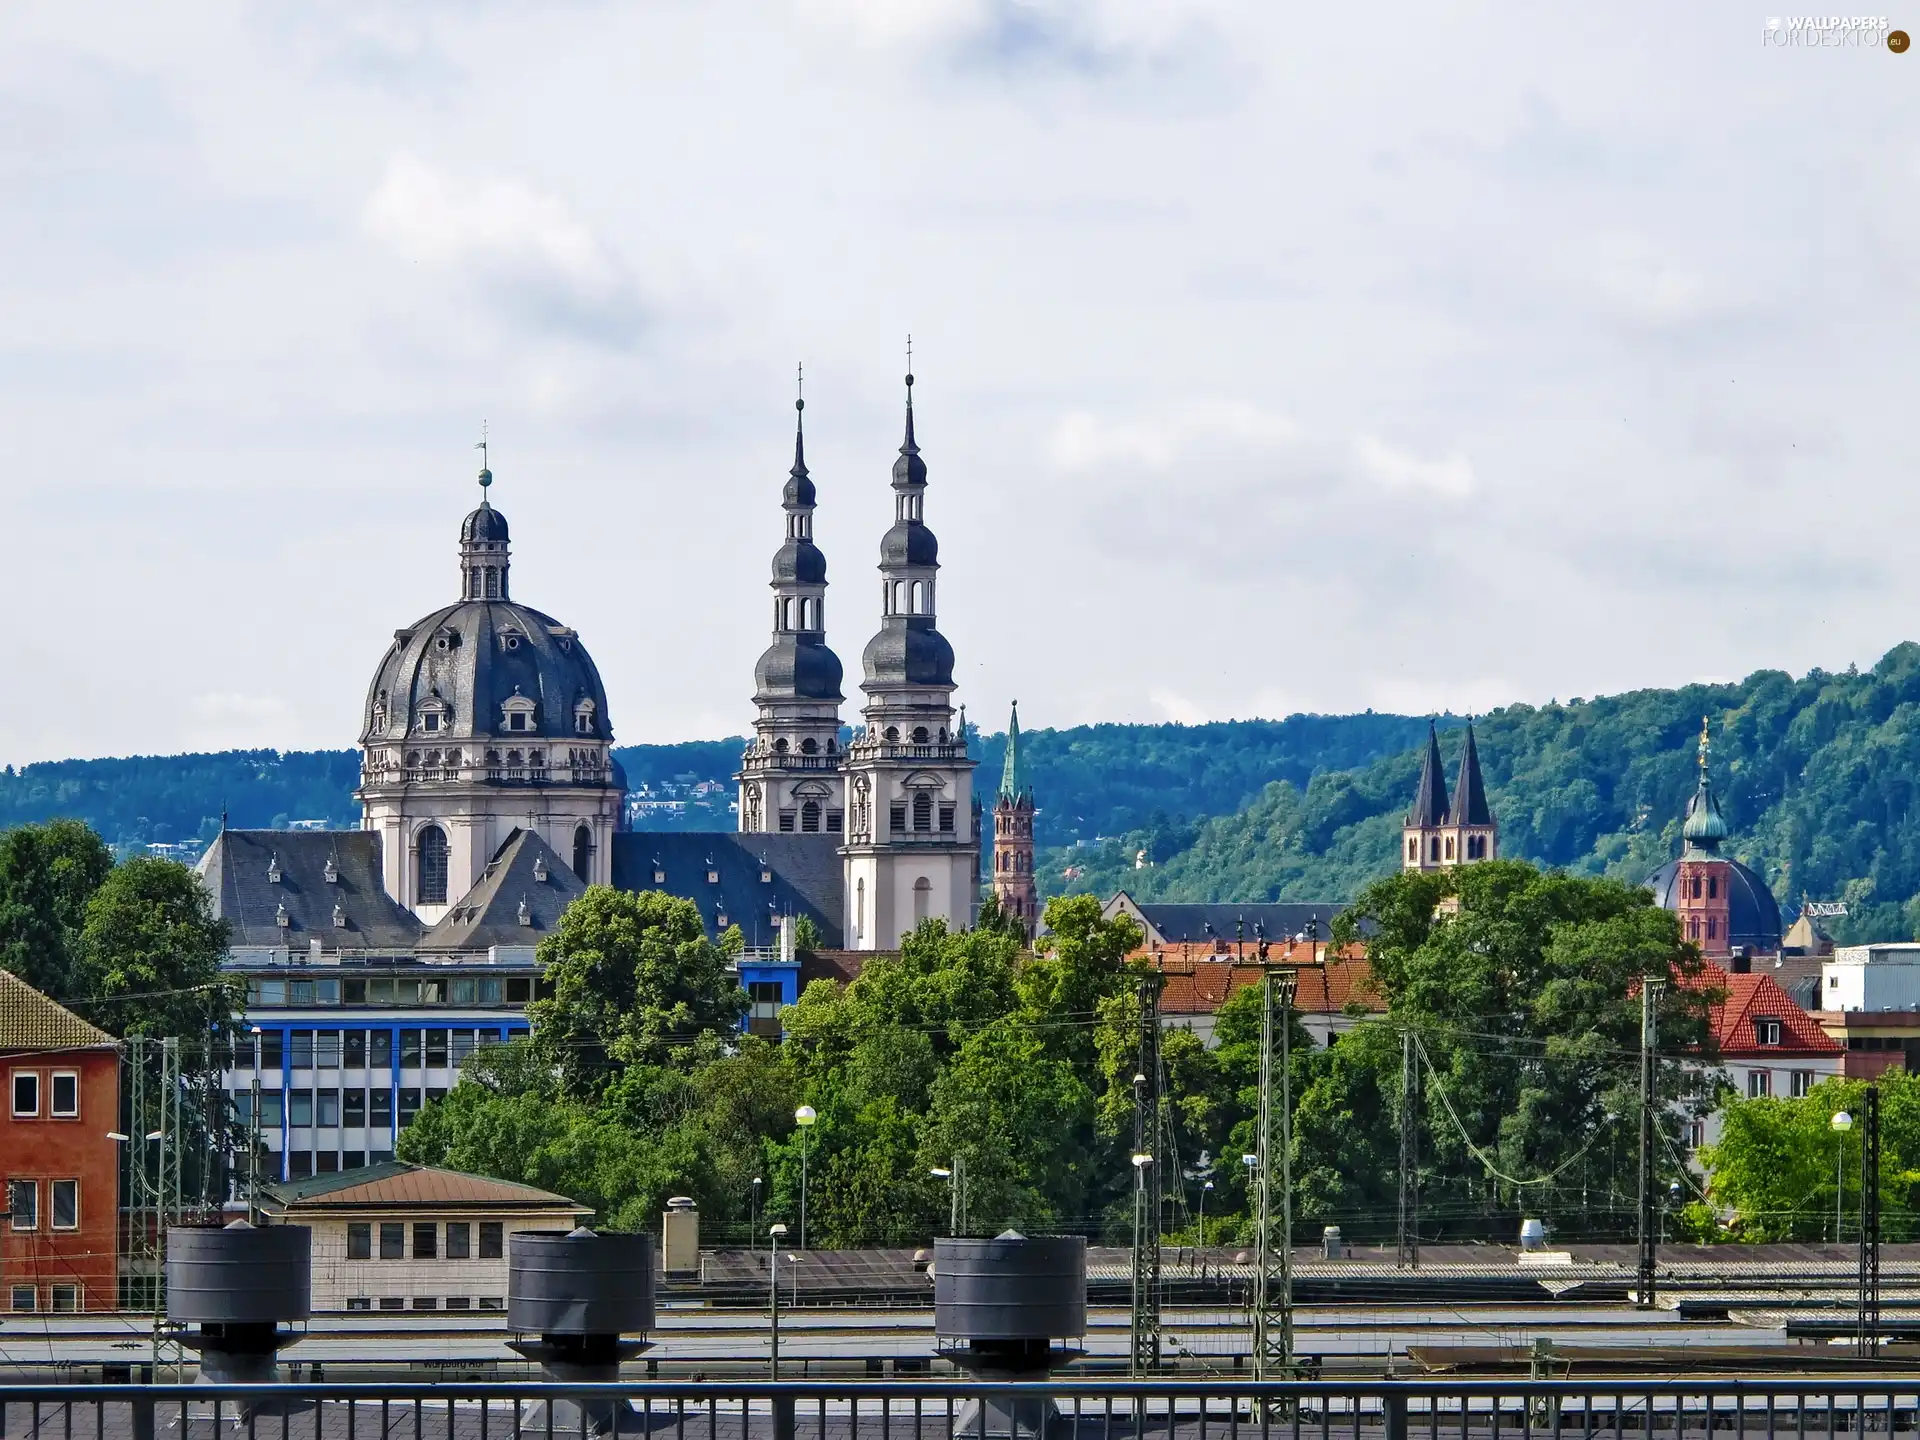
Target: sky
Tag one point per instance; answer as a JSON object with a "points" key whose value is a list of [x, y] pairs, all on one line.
{"points": [[1270, 358]]}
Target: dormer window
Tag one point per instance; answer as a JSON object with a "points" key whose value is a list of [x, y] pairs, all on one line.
{"points": [[540, 869], [380, 712], [713, 876], [523, 914], [510, 639], [339, 917], [280, 916], [430, 721], [659, 875], [583, 718], [766, 876], [273, 870], [720, 919], [332, 872], [517, 713], [1766, 1032]]}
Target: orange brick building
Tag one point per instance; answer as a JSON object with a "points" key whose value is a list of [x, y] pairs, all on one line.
{"points": [[59, 1243]]}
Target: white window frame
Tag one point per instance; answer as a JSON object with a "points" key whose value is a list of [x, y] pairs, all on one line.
{"points": [[13, 1217], [13, 1093], [53, 1095], [78, 1295], [1768, 1031], [1759, 1084], [53, 1205], [32, 1294], [1801, 1084]]}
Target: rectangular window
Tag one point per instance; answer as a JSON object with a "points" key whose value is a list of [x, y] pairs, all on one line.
{"points": [[63, 1200], [355, 991], [326, 1162], [23, 1204], [359, 1302], [326, 992], [409, 1049], [836, 822], [1759, 1082], [393, 1240], [300, 1043], [1802, 1082], [66, 1299], [380, 1108], [459, 1234], [300, 991], [380, 1049], [489, 990], [425, 1302], [353, 1049], [354, 1109], [326, 1049], [352, 1159], [393, 1302], [300, 1103], [380, 992], [463, 990], [26, 1093], [300, 1164], [271, 1047], [242, 1106], [786, 821], [271, 992], [459, 1302], [946, 819], [1767, 1032], [436, 1092], [492, 1302], [66, 1094], [359, 1240], [460, 1045], [272, 1107], [436, 1048], [25, 1299], [425, 1246], [897, 819], [492, 1243], [409, 1104], [519, 992], [326, 1107]]}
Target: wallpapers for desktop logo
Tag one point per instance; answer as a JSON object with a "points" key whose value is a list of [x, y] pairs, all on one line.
{"points": [[1832, 32]]}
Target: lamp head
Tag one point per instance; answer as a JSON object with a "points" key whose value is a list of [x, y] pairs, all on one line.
{"points": [[1842, 1122], [805, 1115], [776, 1229]]}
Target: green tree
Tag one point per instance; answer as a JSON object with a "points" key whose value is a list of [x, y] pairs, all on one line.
{"points": [[150, 952], [48, 873], [1081, 962], [634, 981]]}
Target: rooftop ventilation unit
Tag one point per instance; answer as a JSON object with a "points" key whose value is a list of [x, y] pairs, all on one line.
{"points": [[582, 1293], [1009, 1308], [238, 1286]]}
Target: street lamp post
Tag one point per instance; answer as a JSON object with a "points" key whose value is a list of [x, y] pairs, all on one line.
{"points": [[753, 1212], [956, 1178], [1203, 1227], [774, 1232], [1140, 1164], [1840, 1124], [804, 1118]]}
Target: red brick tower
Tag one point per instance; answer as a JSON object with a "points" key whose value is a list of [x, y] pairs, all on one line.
{"points": [[1013, 883], [1701, 894]]}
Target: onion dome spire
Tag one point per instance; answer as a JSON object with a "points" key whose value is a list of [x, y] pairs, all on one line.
{"points": [[798, 665], [909, 650], [1430, 797], [1470, 790], [483, 542], [1705, 826]]}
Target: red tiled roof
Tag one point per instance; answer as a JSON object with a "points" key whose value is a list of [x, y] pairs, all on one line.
{"points": [[1323, 984], [1743, 999]]}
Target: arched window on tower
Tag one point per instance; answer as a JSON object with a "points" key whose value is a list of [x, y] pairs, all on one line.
{"points": [[810, 816], [1413, 850], [923, 811], [583, 853], [919, 598], [922, 899], [1713, 887], [430, 870]]}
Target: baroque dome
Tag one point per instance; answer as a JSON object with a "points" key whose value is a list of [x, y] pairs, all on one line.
{"points": [[1753, 915], [486, 667], [909, 651]]}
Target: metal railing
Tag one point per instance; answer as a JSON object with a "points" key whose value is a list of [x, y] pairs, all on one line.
{"points": [[923, 1410]]}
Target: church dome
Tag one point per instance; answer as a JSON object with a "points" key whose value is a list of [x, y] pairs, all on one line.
{"points": [[908, 651], [909, 543], [799, 562], [486, 668], [1753, 915], [797, 667]]}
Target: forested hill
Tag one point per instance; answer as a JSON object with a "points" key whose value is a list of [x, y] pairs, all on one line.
{"points": [[1095, 780], [1819, 778]]}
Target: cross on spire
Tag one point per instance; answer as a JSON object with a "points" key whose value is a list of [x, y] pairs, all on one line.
{"points": [[486, 473]]}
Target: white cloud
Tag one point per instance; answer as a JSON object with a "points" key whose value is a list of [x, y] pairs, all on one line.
{"points": [[1177, 708], [1450, 476], [1081, 439]]}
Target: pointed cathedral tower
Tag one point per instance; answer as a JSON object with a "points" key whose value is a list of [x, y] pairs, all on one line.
{"points": [[1439, 833], [790, 774], [912, 852], [1703, 895], [1013, 883]]}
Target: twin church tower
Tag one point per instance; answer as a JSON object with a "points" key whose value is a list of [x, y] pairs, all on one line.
{"points": [[899, 796]]}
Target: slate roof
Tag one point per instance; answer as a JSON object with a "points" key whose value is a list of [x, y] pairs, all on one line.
{"points": [[394, 1183], [1470, 792], [1171, 922], [489, 913], [1742, 999], [32, 1021], [807, 877], [1430, 796], [1753, 915], [236, 868]]}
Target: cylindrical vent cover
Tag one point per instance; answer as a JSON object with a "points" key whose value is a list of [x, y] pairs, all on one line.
{"points": [[579, 1284], [1010, 1288], [240, 1275]]}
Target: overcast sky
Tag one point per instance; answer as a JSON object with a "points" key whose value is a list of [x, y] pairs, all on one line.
{"points": [[1271, 357]]}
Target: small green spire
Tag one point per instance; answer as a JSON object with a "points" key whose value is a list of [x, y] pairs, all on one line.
{"points": [[1010, 771], [1705, 826]]}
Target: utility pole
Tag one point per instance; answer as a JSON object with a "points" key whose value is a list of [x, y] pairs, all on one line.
{"points": [[1869, 1318], [1407, 1255], [1649, 1234], [1273, 1223], [1147, 1155]]}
